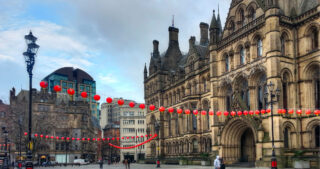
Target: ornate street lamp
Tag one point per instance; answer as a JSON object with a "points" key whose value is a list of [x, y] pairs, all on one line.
{"points": [[157, 127], [271, 93], [29, 57]]}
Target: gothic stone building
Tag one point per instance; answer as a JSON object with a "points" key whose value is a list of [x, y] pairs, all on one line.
{"points": [[261, 42], [53, 114]]}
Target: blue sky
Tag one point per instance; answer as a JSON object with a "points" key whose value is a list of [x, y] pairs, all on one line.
{"points": [[111, 40]]}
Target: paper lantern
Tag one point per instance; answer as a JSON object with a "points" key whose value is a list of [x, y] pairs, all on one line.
{"points": [[132, 137], [141, 136], [291, 111], [308, 112], [203, 112], [36, 135], [25, 133], [52, 137], [187, 111], [131, 104], [137, 136], [152, 107], [279, 111], [41, 135], [239, 113], [84, 94], [122, 138], [47, 136], [316, 112], [73, 139], [179, 111], [146, 135], [245, 112], [113, 138], [78, 139], [263, 111], [109, 100], [57, 137], [170, 110], [233, 113], [88, 139], [94, 139], [211, 113], [62, 138], [195, 112], [96, 97], [142, 106], [98, 139], [120, 102], [43, 84], [162, 109], [283, 111], [57, 88], [226, 113], [257, 112], [268, 110], [70, 91], [150, 135], [251, 112], [103, 139], [299, 112], [219, 113], [128, 138], [118, 138]]}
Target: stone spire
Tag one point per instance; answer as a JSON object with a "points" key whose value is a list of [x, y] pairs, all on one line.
{"points": [[173, 53], [219, 24], [145, 72], [214, 29], [213, 23]]}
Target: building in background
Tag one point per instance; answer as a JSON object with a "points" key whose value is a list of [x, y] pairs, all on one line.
{"points": [[132, 123], [53, 115], [110, 153], [228, 70], [79, 80]]}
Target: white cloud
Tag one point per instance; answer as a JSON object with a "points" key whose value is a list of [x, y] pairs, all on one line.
{"points": [[107, 79]]}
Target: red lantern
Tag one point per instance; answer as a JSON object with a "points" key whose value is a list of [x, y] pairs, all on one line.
{"points": [[251, 112], [195, 112], [308, 112], [299, 112], [94, 139], [219, 113], [78, 139], [279, 111], [152, 107], [162, 109], [283, 111], [47, 136], [109, 100], [113, 138], [239, 113], [83, 139], [103, 139], [263, 111], [187, 111], [141, 136], [43, 84], [41, 135], [73, 138], [317, 112], [203, 112], [142, 106], [233, 113], [52, 137], [150, 135], [62, 138], [245, 112], [118, 138], [137, 136], [268, 110], [57, 137], [96, 97], [291, 111], [226, 113], [120, 102], [70, 91], [88, 139], [68, 138], [128, 138], [131, 104], [132, 137], [179, 111], [84, 94], [57, 88], [257, 112], [36, 135], [122, 138], [146, 135], [170, 110], [25, 133], [211, 113]]}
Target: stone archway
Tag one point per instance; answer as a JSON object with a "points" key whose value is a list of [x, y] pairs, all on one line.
{"points": [[238, 141]]}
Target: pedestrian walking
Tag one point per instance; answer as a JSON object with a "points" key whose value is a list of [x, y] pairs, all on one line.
{"points": [[222, 166], [125, 162], [129, 164], [216, 163]]}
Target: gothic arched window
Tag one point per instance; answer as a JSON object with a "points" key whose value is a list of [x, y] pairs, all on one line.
{"points": [[286, 137], [227, 63], [283, 44], [316, 74], [314, 38], [259, 47], [195, 145], [262, 88], [285, 81], [242, 56], [228, 98], [241, 15], [252, 13], [317, 136], [244, 92], [231, 26]]}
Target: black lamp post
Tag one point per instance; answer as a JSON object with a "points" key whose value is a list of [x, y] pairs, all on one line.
{"points": [[157, 127], [29, 57], [5, 161], [271, 93]]}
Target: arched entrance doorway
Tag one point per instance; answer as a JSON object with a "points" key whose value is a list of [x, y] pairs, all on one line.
{"points": [[238, 141]]}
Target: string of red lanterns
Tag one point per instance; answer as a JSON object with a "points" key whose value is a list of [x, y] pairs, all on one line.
{"points": [[118, 147], [109, 100]]}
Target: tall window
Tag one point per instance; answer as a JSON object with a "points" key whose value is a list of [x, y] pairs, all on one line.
{"points": [[229, 98], [204, 85], [242, 56], [314, 38], [244, 91], [241, 15], [317, 136], [169, 123], [231, 26], [317, 88], [283, 45], [177, 124], [286, 137], [252, 13], [259, 47], [195, 145], [194, 122], [285, 90], [262, 88], [227, 63]]}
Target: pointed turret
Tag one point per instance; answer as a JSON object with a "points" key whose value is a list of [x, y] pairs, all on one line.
{"points": [[213, 23], [145, 72], [214, 30], [173, 53], [219, 24], [155, 60]]}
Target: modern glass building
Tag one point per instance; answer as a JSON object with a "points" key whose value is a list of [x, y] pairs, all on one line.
{"points": [[79, 80]]}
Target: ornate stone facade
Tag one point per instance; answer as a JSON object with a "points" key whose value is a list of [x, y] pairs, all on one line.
{"points": [[262, 42]]}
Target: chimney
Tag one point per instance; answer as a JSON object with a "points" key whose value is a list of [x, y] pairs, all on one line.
{"points": [[192, 42], [173, 34], [204, 29], [155, 46]]}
